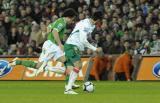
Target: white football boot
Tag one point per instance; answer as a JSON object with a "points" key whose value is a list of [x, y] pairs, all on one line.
{"points": [[70, 91], [13, 62]]}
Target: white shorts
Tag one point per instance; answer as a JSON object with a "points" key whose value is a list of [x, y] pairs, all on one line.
{"points": [[50, 51]]}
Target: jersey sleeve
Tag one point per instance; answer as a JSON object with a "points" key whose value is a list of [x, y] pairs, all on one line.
{"points": [[57, 25], [84, 32]]}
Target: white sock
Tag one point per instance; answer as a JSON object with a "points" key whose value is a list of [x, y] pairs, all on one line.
{"points": [[72, 78], [60, 70]]}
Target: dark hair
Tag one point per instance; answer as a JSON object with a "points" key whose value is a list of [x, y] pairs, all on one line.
{"points": [[69, 13], [97, 15]]}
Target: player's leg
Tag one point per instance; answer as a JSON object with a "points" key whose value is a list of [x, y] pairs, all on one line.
{"points": [[46, 55], [67, 74], [56, 69], [73, 75], [72, 78], [58, 55], [72, 54], [51, 51], [26, 63], [35, 65]]}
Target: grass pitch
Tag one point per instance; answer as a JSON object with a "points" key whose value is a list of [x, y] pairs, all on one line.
{"points": [[105, 92]]}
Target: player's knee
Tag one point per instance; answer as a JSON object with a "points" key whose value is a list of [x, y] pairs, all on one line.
{"points": [[78, 64], [38, 65]]}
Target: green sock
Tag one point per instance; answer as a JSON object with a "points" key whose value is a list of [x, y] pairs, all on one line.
{"points": [[26, 63], [67, 78]]}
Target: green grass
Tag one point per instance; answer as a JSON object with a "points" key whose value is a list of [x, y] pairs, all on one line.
{"points": [[52, 92]]}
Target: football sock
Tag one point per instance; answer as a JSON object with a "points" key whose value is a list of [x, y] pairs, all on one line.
{"points": [[67, 78], [66, 75], [26, 63], [72, 78]]}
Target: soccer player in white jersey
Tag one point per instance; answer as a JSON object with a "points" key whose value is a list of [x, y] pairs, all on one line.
{"points": [[76, 43]]}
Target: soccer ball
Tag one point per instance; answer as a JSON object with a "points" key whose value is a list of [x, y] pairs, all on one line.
{"points": [[88, 87]]}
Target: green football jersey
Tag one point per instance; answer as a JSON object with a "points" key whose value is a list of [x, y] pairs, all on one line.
{"points": [[60, 26]]}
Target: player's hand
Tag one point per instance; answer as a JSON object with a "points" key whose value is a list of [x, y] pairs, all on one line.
{"points": [[99, 50]]}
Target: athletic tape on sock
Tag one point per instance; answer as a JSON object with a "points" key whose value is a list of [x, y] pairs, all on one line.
{"points": [[76, 70]]}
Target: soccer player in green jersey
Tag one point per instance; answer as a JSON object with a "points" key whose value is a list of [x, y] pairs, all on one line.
{"points": [[52, 47]]}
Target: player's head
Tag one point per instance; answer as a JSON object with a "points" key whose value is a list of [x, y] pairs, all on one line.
{"points": [[70, 14], [97, 16]]}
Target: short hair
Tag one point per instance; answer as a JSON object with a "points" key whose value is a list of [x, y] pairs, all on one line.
{"points": [[97, 15], [69, 13]]}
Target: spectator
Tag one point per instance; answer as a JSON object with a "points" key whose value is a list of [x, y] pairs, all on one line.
{"points": [[127, 36], [107, 43], [140, 32], [123, 66], [2, 28], [23, 15], [100, 68], [30, 51], [76, 4], [138, 49], [37, 15], [25, 37], [12, 50], [97, 40], [81, 16], [13, 36], [7, 25], [21, 49], [35, 31], [115, 48], [155, 29], [42, 35], [20, 33], [146, 45], [5, 5], [29, 11], [3, 44], [97, 5], [155, 45]]}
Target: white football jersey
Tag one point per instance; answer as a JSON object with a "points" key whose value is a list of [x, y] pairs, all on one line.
{"points": [[80, 34]]}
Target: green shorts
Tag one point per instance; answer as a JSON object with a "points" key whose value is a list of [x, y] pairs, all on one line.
{"points": [[72, 54]]}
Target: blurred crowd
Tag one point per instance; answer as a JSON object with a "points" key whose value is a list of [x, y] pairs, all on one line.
{"points": [[126, 24]]}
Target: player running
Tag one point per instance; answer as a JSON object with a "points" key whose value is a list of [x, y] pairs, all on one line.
{"points": [[76, 43], [52, 47]]}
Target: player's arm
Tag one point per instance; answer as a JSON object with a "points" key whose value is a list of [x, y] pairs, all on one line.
{"points": [[56, 36], [83, 39], [58, 26]]}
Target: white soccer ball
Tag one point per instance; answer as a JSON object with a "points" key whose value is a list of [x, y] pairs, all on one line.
{"points": [[88, 87]]}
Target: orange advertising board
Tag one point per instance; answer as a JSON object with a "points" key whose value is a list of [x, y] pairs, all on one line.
{"points": [[149, 68], [20, 72]]}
